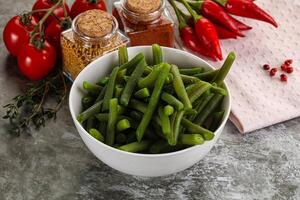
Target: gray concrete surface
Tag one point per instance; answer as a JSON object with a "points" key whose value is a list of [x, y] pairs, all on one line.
{"points": [[53, 163]]}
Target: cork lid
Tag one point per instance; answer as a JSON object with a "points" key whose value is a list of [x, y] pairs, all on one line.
{"points": [[143, 6], [95, 23]]}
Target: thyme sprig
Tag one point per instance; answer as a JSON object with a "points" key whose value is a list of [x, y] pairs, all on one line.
{"points": [[29, 109]]}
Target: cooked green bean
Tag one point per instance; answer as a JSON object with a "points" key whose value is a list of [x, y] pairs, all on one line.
{"points": [[118, 91], [142, 93], [154, 99], [168, 110], [190, 87], [130, 85], [209, 108], [191, 71], [133, 62], [121, 76], [189, 79], [219, 78], [92, 88], [96, 134], [165, 123], [87, 102], [90, 112], [121, 109], [103, 81], [110, 89], [136, 146], [206, 97], [191, 112], [207, 76], [90, 123], [149, 80], [148, 70], [219, 90], [198, 90], [137, 105], [180, 89], [176, 119], [123, 55], [217, 118], [101, 94], [162, 146], [123, 125], [112, 120], [169, 79], [102, 117], [190, 139], [196, 129], [157, 54], [141, 107], [173, 101], [126, 78]]}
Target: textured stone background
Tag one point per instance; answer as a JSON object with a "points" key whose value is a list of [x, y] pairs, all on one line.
{"points": [[54, 163]]}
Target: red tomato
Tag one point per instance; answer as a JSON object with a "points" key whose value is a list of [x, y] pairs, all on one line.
{"points": [[46, 4], [35, 63], [80, 6], [16, 33], [53, 31]]}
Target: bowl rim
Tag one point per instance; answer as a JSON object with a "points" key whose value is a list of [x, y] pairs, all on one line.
{"points": [[225, 118]]}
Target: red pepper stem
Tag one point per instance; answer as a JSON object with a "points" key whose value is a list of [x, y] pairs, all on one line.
{"points": [[39, 26], [196, 5], [64, 7], [221, 2], [191, 11], [184, 16], [181, 20]]}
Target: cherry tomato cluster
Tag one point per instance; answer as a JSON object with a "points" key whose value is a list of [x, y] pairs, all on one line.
{"points": [[34, 37]]}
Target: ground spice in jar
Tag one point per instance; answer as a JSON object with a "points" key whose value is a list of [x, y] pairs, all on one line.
{"points": [[93, 34], [143, 6], [145, 23]]}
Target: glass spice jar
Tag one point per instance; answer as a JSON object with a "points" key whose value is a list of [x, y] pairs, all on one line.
{"points": [[145, 22], [93, 34]]}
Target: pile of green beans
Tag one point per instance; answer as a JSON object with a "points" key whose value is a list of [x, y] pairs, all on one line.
{"points": [[154, 107]]}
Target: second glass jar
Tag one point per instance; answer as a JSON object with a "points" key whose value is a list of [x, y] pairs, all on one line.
{"points": [[144, 23]]}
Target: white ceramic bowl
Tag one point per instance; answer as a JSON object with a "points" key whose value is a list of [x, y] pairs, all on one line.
{"points": [[134, 163]]}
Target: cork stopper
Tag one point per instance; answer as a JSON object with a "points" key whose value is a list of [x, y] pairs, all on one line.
{"points": [[95, 23], [143, 6]]}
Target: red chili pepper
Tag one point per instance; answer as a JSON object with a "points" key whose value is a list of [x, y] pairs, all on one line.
{"points": [[223, 33], [241, 25], [208, 35], [216, 13], [190, 40], [205, 32], [188, 35], [246, 8]]}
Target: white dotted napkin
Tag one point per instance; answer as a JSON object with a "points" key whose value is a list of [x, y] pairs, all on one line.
{"points": [[257, 99]]}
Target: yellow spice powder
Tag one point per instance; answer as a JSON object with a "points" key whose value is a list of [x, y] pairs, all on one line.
{"points": [[77, 53]]}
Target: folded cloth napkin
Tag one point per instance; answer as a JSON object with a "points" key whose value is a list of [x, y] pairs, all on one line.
{"points": [[257, 99]]}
